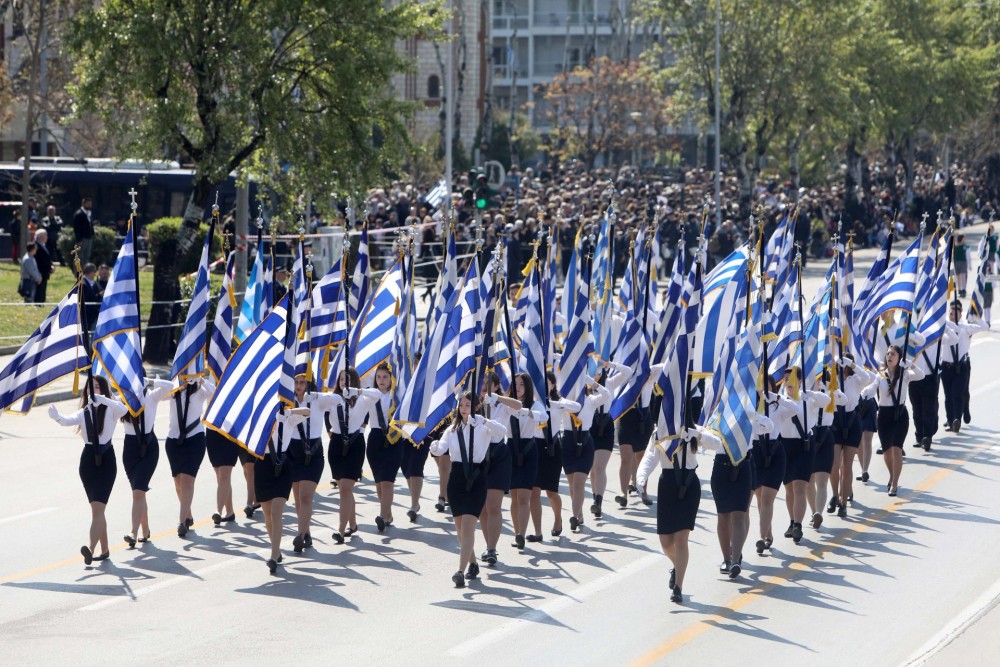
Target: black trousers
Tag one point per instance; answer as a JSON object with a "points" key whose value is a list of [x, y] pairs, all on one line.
{"points": [[955, 381], [924, 401]]}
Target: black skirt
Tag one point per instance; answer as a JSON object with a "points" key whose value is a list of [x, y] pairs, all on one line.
{"points": [[603, 432], [463, 501], [98, 480], [221, 450], [798, 460], [384, 458], [577, 451], [675, 514], [634, 428], [270, 482], [549, 466], [498, 467], [847, 427], [140, 469], [893, 425], [868, 410], [524, 463], [306, 468], [822, 446], [732, 485], [770, 471], [245, 456], [413, 459], [185, 458], [347, 465]]}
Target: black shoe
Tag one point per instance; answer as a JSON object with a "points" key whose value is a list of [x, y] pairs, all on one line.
{"points": [[441, 504], [380, 524], [966, 416], [182, 529], [556, 532], [880, 451], [956, 425], [831, 506], [272, 565], [189, 522], [338, 538], [143, 540], [88, 555], [735, 569], [791, 529], [673, 579], [298, 544], [761, 545], [817, 520], [903, 452], [473, 570], [104, 556], [646, 501], [631, 488], [534, 538], [229, 519], [248, 510], [797, 533], [768, 542], [724, 568], [622, 501], [217, 519], [865, 476], [947, 426], [519, 541], [130, 541], [593, 509], [411, 515], [842, 511], [598, 502], [490, 557], [676, 595], [350, 531], [574, 524], [307, 541], [925, 442], [459, 579], [893, 492]]}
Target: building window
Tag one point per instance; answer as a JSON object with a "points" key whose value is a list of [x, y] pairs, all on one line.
{"points": [[433, 87]]}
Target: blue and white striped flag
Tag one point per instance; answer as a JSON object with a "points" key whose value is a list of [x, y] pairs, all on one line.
{"points": [[579, 344], [470, 325], [53, 351], [673, 381], [303, 311], [286, 387], [220, 346], [893, 290], [532, 351], [779, 249], [633, 352], [977, 297], [329, 313], [785, 324], [670, 316], [361, 281], [934, 312], [436, 196], [117, 348], [735, 418], [446, 285], [374, 332], [245, 402], [404, 340], [733, 265], [189, 360], [255, 305]]}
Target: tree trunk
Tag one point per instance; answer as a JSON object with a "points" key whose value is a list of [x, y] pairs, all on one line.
{"points": [[160, 345], [29, 128]]}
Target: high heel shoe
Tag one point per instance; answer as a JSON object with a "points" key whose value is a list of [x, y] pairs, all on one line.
{"points": [[298, 544], [248, 510], [130, 541], [441, 504], [534, 538], [622, 501], [88, 555], [519, 542], [307, 541], [574, 524], [459, 579], [676, 596], [350, 531], [143, 539], [338, 538], [182, 529], [411, 515], [104, 556], [556, 532], [217, 519], [380, 524], [189, 522], [761, 545], [272, 565]]}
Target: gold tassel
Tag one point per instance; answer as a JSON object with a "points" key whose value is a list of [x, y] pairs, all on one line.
{"points": [[76, 381]]}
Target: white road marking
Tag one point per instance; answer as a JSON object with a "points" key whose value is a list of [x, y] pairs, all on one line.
{"points": [[959, 624], [534, 616], [166, 583], [44, 510]]}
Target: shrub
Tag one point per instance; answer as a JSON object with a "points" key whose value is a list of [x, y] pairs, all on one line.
{"points": [[103, 251], [162, 238]]}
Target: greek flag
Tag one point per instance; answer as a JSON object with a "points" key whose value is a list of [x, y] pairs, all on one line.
{"points": [[470, 323], [303, 313], [189, 360], [404, 340], [784, 324], [532, 352], [329, 314], [436, 196], [632, 351], [489, 288], [54, 350], [571, 286], [893, 290], [724, 271], [603, 280], [446, 285], [816, 337], [779, 249], [375, 331], [220, 345], [361, 282], [579, 345], [928, 268], [846, 300], [670, 316], [245, 402], [735, 417], [254, 304], [549, 281], [286, 386], [863, 346], [117, 349], [934, 313], [977, 298], [673, 382]]}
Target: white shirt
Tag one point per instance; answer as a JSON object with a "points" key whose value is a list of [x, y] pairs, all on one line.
{"points": [[647, 389], [529, 419], [313, 425], [195, 408], [896, 336], [881, 384], [804, 409], [958, 348], [289, 431], [562, 408], [115, 411], [385, 400], [478, 432], [855, 385], [826, 415], [329, 402], [655, 454], [151, 402]]}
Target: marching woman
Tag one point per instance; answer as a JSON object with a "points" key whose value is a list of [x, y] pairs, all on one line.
{"points": [[893, 417], [273, 479], [612, 376], [867, 412], [769, 465], [247, 462], [185, 445], [412, 465], [350, 405], [955, 366], [467, 442], [98, 467], [385, 454], [140, 458], [794, 437], [824, 451], [575, 442], [890, 333], [677, 498], [847, 433], [635, 428], [549, 469], [305, 459], [523, 415], [498, 467]]}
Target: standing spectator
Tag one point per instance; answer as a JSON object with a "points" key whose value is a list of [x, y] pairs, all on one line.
{"points": [[14, 229], [83, 227], [103, 276], [30, 276], [53, 224], [44, 262], [91, 297]]}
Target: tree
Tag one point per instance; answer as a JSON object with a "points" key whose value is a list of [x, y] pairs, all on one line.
{"points": [[608, 108], [271, 86]]}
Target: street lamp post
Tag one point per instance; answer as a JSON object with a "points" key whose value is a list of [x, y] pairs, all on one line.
{"points": [[718, 115]]}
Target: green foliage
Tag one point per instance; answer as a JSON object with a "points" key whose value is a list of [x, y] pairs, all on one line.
{"points": [[103, 251], [163, 239]]}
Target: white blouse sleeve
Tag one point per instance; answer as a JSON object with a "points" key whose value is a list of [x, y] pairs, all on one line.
{"points": [[650, 459]]}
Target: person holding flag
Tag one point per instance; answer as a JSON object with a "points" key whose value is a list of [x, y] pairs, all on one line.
{"points": [[185, 444], [306, 460], [956, 368], [273, 479], [385, 455], [139, 457], [893, 417], [612, 376], [823, 446], [847, 431]]}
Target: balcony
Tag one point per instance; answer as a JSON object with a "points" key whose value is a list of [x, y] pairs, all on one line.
{"points": [[508, 22], [563, 19]]}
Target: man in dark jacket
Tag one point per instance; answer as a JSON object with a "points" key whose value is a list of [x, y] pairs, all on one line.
{"points": [[44, 261], [91, 297], [83, 227]]}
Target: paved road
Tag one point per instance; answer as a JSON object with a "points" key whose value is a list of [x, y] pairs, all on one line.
{"points": [[907, 578]]}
